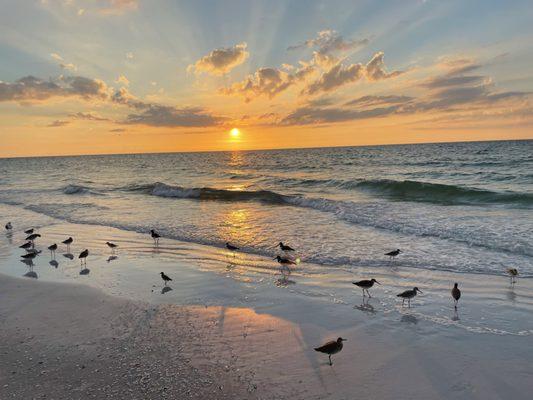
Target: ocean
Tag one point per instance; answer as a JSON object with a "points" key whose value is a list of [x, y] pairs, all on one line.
{"points": [[460, 207]]}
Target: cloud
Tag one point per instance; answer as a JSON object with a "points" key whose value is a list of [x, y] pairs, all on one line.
{"points": [[88, 116], [370, 101], [337, 76], [375, 68], [267, 82], [329, 41], [167, 116], [221, 61], [62, 63], [319, 115], [129, 55], [122, 80], [118, 7], [57, 123], [117, 130]]}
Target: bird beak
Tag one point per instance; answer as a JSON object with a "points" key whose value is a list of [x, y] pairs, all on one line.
{"points": [[378, 283], [419, 291], [344, 340]]}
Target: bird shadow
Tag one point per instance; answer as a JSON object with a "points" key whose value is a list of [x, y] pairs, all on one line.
{"points": [[111, 258], [85, 271], [28, 262], [165, 289], [54, 263], [70, 256], [31, 274]]}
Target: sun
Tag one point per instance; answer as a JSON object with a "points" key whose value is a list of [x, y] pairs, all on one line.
{"points": [[235, 133]]}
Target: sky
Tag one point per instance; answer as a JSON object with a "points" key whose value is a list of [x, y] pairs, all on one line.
{"points": [[134, 76]]}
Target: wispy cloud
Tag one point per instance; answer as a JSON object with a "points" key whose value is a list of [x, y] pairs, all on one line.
{"points": [[57, 123], [329, 41], [221, 61]]}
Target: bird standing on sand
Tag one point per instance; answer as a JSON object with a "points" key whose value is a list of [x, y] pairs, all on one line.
{"points": [[331, 348], [68, 242], [83, 256], [53, 248], [155, 236], [33, 236], [112, 246], [165, 278], [393, 254], [29, 231], [408, 294], [284, 247], [513, 273], [26, 245], [285, 261], [232, 248], [366, 284], [9, 226], [30, 256], [456, 294]]}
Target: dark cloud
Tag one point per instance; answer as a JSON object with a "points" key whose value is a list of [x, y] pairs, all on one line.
{"points": [[321, 115], [167, 116], [371, 101], [88, 116], [57, 123], [221, 61], [337, 76]]}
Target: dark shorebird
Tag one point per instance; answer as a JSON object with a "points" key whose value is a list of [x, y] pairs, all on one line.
{"points": [[165, 278], [26, 245], [30, 256], [112, 246], [393, 254], [513, 273], [232, 248], [53, 248], [29, 231], [155, 236], [83, 256], [331, 348], [33, 236], [366, 284], [456, 294], [285, 261], [409, 294], [9, 226], [68, 242], [284, 247]]}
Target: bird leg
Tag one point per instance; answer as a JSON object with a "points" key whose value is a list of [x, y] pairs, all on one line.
{"points": [[330, 363], [364, 293], [368, 293]]}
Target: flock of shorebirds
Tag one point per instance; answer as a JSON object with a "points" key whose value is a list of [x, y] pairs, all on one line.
{"points": [[285, 261]]}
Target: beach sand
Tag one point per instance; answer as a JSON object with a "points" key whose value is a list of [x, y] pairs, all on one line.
{"points": [[234, 328]]}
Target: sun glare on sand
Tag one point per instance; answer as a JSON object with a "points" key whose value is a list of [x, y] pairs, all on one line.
{"points": [[235, 133]]}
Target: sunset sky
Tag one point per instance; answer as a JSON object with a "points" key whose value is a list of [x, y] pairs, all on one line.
{"points": [[127, 76]]}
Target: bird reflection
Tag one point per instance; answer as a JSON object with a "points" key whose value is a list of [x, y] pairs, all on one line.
{"points": [[112, 258], [284, 281], [69, 256], [31, 273], [85, 271], [366, 307], [28, 262], [511, 295], [54, 263], [455, 316], [165, 289], [410, 319], [230, 266]]}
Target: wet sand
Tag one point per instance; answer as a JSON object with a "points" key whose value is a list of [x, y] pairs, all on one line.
{"points": [[234, 328]]}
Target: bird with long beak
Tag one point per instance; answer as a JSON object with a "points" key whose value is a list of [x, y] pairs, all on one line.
{"points": [[83, 256], [285, 247], [456, 294], [165, 278], [331, 348], [393, 253], [112, 246], [366, 284], [408, 295]]}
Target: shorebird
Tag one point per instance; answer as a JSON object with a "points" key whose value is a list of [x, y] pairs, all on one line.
{"points": [[513, 273], [393, 254], [285, 261], [29, 231], [165, 278], [83, 256], [112, 246], [26, 245], [33, 236], [331, 348], [408, 294], [53, 248], [456, 294], [30, 256], [232, 248], [284, 247], [68, 242], [155, 236], [365, 285], [9, 226]]}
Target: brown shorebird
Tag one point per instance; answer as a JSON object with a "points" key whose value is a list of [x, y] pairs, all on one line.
{"points": [[112, 246], [456, 294], [29, 231], [165, 278], [155, 236], [83, 256], [68, 242], [513, 273], [33, 236], [408, 295], [53, 248], [31, 255], [284, 247], [285, 261], [232, 248], [366, 284], [393, 254], [331, 348], [9, 226]]}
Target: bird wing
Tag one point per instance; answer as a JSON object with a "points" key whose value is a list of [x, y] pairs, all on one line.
{"points": [[328, 347]]}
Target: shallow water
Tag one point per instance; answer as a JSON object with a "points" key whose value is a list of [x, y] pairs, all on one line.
{"points": [[463, 207]]}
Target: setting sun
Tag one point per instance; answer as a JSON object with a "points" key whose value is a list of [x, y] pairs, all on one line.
{"points": [[235, 132]]}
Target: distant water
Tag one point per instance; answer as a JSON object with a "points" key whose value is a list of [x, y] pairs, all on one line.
{"points": [[464, 207]]}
